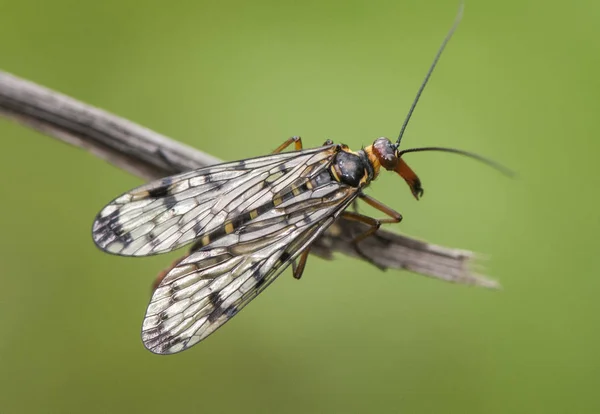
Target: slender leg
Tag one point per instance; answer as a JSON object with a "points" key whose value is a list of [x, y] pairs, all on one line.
{"points": [[297, 144], [395, 217], [374, 223], [298, 269]]}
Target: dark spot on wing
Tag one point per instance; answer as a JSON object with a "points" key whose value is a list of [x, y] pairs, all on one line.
{"points": [[231, 311], [264, 208], [239, 219], [197, 245], [159, 192], [154, 242], [107, 229], [284, 257], [215, 299], [106, 220], [174, 340], [152, 337], [159, 341], [173, 287], [170, 202], [286, 196], [258, 275], [260, 280]]}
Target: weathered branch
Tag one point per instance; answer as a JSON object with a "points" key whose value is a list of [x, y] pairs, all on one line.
{"points": [[150, 155]]}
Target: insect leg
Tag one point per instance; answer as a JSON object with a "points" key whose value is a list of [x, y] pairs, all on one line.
{"points": [[394, 217], [298, 269], [374, 226], [297, 144]]}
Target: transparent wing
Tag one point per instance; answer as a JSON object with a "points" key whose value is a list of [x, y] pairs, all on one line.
{"points": [[169, 213], [213, 284]]}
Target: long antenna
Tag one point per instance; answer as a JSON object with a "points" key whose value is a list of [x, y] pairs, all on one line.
{"points": [[430, 71], [497, 166]]}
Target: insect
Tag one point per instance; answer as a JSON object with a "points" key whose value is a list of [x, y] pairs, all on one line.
{"points": [[246, 221]]}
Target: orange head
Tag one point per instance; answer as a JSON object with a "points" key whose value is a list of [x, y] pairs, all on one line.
{"points": [[383, 153]]}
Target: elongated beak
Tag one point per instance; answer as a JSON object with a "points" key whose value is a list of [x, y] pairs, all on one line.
{"points": [[410, 177]]}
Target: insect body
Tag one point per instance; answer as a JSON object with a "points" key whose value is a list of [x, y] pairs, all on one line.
{"points": [[247, 221]]}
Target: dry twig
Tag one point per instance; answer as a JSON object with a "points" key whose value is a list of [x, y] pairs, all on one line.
{"points": [[150, 155]]}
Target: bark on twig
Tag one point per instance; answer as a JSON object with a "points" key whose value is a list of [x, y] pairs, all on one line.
{"points": [[150, 155]]}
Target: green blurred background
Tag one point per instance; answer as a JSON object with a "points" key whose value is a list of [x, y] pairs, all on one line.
{"points": [[519, 82]]}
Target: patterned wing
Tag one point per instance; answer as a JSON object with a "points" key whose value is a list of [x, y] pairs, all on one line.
{"points": [[214, 283], [207, 203]]}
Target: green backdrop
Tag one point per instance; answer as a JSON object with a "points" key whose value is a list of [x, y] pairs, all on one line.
{"points": [[519, 82]]}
